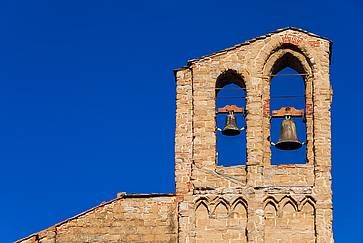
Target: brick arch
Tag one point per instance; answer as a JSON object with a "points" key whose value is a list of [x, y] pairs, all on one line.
{"points": [[230, 76], [277, 44], [275, 56], [287, 56]]}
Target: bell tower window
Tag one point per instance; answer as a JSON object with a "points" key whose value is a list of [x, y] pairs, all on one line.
{"points": [[230, 134], [288, 134]]}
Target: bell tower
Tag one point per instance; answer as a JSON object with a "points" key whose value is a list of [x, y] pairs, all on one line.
{"points": [[255, 200]]}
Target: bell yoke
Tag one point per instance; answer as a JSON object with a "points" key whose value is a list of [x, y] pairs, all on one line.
{"points": [[288, 135]]}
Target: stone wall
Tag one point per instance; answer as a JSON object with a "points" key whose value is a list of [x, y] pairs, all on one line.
{"points": [[282, 203], [134, 218]]}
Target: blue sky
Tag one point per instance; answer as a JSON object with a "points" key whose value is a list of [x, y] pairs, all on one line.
{"points": [[87, 97]]}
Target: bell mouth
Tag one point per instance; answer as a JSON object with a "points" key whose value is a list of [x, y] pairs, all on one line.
{"points": [[288, 145], [230, 132]]}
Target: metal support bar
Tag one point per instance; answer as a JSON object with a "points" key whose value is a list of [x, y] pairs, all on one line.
{"points": [[231, 88], [272, 97], [289, 74]]}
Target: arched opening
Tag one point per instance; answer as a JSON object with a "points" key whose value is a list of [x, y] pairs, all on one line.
{"points": [[230, 89], [287, 89]]}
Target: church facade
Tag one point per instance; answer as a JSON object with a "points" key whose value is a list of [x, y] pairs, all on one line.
{"points": [[256, 201]]}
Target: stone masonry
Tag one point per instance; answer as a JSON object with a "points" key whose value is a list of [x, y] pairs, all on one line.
{"points": [[256, 202]]}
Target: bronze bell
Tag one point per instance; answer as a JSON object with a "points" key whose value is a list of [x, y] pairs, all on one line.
{"points": [[288, 137], [230, 127]]}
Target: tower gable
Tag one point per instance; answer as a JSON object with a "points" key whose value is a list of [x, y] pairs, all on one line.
{"points": [[255, 63]]}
